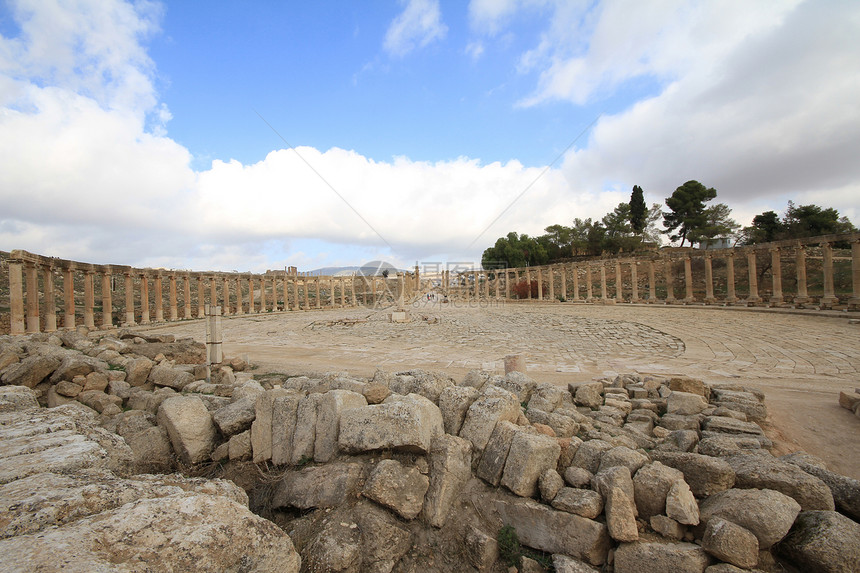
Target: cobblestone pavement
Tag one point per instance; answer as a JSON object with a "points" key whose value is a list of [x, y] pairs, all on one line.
{"points": [[801, 361]]}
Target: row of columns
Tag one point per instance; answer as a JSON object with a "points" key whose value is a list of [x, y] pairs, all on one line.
{"points": [[476, 284], [297, 292]]}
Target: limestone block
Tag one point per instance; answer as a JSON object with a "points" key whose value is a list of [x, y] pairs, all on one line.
{"points": [[583, 502], [284, 416], [578, 477], [376, 393], [325, 486], [329, 410], [763, 471], [731, 543], [590, 453], [678, 422], [18, 398], [589, 395], [235, 417], [686, 557], [477, 379], [398, 488], [667, 527], [482, 550], [152, 450], [491, 406], [730, 426], [546, 397], [454, 402], [450, 468], [530, 455], [651, 485], [239, 446], [69, 389], [565, 564], [492, 462], [845, 490], [261, 426], [617, 476], [547, 529], [720, 445], [689, 385], [304, 437], [336, 546], [705, 475], [680, 441], [98, 400], [685, 404], [518, 384], [621, 516], [31, 370], [768, 514], [563, 426], [410, 423], [383, 540], [96, 381], [189, 426], [623, 456], [119, 388], [549, 484], [74, 364], [175, 378], [681, 505], [823, 541]]}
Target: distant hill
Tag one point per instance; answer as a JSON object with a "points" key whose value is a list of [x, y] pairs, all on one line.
{"points": [[373, 268]]}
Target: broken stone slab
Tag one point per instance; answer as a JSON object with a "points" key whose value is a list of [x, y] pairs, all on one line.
{"points": [[491, 406], [589, 394], [705, 475], [304, 437], [621, 516], [583, 502], [763, 471], [731, 543], [845, 490], [383, 539], [685, 403], [31, 370], [549, 484], [285, 409], [239, 446], [329, 410], [530, 455], [623, 456], [235, 417], [189, 426], [454, 402], [681, 505], [565, 564], [590, 453], [482, 550], [667, 527], [546, 397], [823, 541], [689, 385], [152, 450], [553, 531], [326, 486], [262, 424], [397, 487], [686, 557], [450, 468], [175, 378], [492, 462], [768, 514], [409, 423]]}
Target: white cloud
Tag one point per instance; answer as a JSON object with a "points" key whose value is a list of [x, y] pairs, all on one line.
{"points": [[418, 25]]}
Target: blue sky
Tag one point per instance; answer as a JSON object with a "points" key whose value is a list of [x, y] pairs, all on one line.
{"points": [[138, 133]]}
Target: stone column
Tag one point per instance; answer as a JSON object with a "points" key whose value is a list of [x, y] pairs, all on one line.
{"points": [[540, 282], [306, 290], [800, 262], [225, 289], [688, 279], [240, 304], [564, 282], [317, 287], [603, 295], [855, 274], [89, 299], [753, 278], [776, 276], [634, 279], [31, 274], [213, 291], [159, 299], [709, 280], [619, 288], [129, 299], [529, 281], [352, 292], [144, 298], [670, 281], [69, 298], [263, 296], [201, 297], [551, 283], [107, 302], [16, 297], [829, 298], [50, 300], [652, 282], [575, 273], [251, 302], [589, 288], [186, 292], [731, 296], [174, 308], [286, 294]]}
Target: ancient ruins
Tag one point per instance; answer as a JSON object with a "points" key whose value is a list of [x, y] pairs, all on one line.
{"points": [[128, 449]]}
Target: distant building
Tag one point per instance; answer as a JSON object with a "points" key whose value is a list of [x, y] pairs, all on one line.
{"points": [[716, 243]]}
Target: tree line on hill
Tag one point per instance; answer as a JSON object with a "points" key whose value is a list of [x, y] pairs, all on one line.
{"points": [[632, 225]]}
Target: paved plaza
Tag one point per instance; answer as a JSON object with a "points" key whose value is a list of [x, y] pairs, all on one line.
{"points": [[801, 361]]}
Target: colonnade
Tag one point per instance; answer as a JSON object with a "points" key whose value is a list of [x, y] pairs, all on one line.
{"points": [[33, 293], [686, 276]]}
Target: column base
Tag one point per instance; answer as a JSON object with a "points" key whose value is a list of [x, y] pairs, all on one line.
{"points": [[828, 302]]}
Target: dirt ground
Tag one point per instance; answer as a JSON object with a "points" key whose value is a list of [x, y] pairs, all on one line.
{"points": [[800, 360]]}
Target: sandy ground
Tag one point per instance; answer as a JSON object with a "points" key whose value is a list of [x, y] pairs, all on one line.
{"points": [[801, 361]]}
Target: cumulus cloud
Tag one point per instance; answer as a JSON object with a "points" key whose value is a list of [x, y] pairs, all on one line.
{"points": [[418, 25]]}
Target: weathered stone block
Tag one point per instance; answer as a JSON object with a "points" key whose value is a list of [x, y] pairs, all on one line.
{"points": [[823, 541], [686, 557], [681, 505], [583, 502], [492, 462], [730, 542], [235, 417], [329, 410], [189, 425], [410, 423], [398, 488], [651, 485], [492, 406], [705, 475], [530, 455], [763, 471], [621, 516], [454, 402], [325, 486], [450, 468], [768, 514], [306, 422], [284, 415]]}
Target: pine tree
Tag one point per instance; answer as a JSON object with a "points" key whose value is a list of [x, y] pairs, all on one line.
{"points": [[638, 210]]}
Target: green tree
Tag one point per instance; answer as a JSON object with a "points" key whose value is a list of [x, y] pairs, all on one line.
{"points": [[812, 220], [717, 223], [638, 210], [765, 228], [619, 232], [514, 251], [687, 212]]}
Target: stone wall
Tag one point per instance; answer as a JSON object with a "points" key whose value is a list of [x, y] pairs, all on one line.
{"points": [[416, 471]]}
